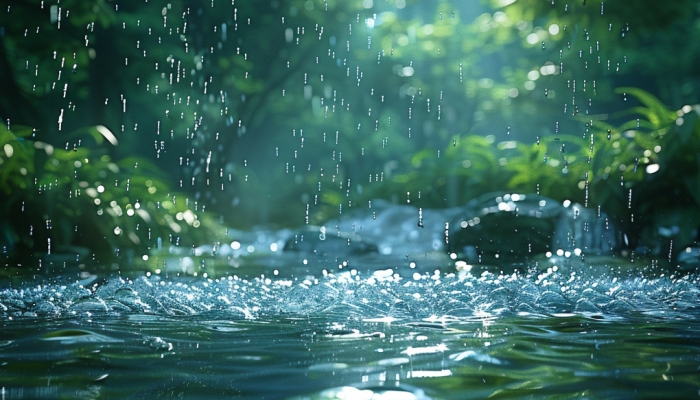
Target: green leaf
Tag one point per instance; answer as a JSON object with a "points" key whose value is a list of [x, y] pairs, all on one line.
{"points": [[6, 136], [19, 131], [656, 112]]}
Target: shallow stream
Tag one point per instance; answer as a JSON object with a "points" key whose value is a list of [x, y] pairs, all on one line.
{"points": [[599, 332]]}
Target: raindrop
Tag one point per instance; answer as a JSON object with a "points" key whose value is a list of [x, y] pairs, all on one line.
{"points": [[629, 199]]}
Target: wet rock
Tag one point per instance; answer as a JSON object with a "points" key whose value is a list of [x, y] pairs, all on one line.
{"points": [[513, 228], [397, 229], [671, 234], [585, 229], [492, 229], [414, 235], [319, 241]]}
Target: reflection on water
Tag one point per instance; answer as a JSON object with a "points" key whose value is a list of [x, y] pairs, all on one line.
{"points": [[355, 335]]}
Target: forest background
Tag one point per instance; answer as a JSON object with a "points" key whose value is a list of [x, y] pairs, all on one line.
{"points": [[127, 123]]}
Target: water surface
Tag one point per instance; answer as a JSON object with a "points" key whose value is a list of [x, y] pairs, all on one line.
{"points": [[351, 334]]}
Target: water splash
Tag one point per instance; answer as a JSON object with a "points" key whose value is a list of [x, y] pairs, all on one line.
{"points": [[381, 295]]}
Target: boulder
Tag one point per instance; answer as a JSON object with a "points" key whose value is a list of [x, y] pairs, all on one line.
{"points": [[318, 241], [492, 229], [513, 228], [398, 230]]}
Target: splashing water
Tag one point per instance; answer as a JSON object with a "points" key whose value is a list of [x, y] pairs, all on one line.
{"points": [[382, 294], [348, 334]]}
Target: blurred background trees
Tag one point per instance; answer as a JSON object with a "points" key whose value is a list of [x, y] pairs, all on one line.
{"points": [[253, 112]]}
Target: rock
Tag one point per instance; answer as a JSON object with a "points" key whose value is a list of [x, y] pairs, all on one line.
{"points": [[585, 229], [492, 229], [390, 229], [317, 240], [513, 228], [669, 232]]}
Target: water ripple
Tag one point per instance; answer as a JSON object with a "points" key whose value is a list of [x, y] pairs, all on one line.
{"points": [[379, 295]]}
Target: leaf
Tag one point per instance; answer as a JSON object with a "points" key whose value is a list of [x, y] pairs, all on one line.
{"points": [[141, 166], [332, 198], [6, 136], [22, 131], [99, 133], [656, 112]]}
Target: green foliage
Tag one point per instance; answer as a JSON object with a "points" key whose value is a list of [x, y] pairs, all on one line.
{"points": [[629, 169], [436, 103], [16, 159], [80, 197], [664, 191]]}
